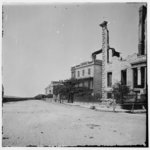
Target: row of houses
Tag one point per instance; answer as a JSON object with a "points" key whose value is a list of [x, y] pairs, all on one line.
{"points": [[101, 75]]}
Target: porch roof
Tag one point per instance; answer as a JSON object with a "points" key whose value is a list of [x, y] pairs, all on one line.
{"points": [[85, 79]]}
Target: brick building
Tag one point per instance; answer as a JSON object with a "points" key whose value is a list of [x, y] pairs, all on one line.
{"points": [[89, 75]]}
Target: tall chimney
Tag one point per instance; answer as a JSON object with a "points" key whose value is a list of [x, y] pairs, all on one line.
{"points": [[105, 45], [142, 26]]}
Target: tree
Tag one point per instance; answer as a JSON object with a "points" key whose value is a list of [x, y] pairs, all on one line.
{"points": [[120, 91], [49, 96], [40, 96], [58, 90], [82, 91], [69, 88]]}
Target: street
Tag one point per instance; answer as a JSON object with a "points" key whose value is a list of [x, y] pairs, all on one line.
{"points": [[40, 123]]}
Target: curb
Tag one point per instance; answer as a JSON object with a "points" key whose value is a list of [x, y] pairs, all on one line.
{"points": [[106, 110]]}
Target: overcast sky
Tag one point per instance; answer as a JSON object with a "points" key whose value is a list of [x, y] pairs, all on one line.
{"points": [[42, 42]]}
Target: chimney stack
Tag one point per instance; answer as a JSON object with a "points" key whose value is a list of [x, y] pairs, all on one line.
{"points": [[105, 45], [142, 32]]}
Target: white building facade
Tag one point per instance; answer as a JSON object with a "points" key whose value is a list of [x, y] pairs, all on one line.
{"points": [[89, 75]]}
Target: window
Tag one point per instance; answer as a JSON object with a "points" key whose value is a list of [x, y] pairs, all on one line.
{"points": [[142, 48], [109, 56], [109, 79], [78, 73], [89, 71], [92, 84], [83, 84], [135, 77], [123, 77], [82, 72], [73, 75], [109, 95], [142, 77], [89, 84]]}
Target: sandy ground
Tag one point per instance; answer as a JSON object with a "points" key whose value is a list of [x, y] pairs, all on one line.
{"points": [[39, 123]]}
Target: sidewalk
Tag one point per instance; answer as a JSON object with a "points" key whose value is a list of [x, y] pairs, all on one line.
{"points": [[104, 108]]}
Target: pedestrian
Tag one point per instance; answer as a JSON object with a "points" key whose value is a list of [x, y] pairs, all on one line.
{"points": [[113, 103], [59, 99], [55, 98]]}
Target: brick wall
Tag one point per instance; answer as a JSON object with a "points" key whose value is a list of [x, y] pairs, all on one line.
{"points": [[97, 80], [104, 56]]}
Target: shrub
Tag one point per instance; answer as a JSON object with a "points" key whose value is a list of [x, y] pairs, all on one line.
{"points": [[120, 92], [68, 89], [49, 96], [82, 91], [98, 96], [40, 96]]}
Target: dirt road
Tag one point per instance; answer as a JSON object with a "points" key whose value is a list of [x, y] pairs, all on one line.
{"points": [[39, 123]]}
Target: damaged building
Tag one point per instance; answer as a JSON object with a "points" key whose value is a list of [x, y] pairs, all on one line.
{"points": [[130, 71]]}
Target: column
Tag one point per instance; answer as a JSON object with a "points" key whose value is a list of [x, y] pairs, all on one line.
{"points": [[139, 76], [145, 81]]}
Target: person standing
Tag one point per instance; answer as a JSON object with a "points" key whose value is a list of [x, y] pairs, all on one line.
{"points": [[113, 103]]}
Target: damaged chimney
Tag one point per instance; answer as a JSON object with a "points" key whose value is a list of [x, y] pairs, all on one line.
{"points": [[142, 32], [105, 45]]}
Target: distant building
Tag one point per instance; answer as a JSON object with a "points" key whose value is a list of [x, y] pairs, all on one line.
{"points": [[89, 75], [49, 89]]}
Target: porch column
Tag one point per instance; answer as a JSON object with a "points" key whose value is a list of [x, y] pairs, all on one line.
{"points": [[139, 76], [145, 81]]}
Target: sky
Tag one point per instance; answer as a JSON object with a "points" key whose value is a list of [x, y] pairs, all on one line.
{"points": [[42, 42]]}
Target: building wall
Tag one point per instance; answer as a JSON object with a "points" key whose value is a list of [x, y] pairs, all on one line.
{"points": [[97, 80], [115, 66], [137, 61], [46, 91], [49, 90], [86, 75]]}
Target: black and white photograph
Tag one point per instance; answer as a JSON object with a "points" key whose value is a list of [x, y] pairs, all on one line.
{"points": [[74, 74]]}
